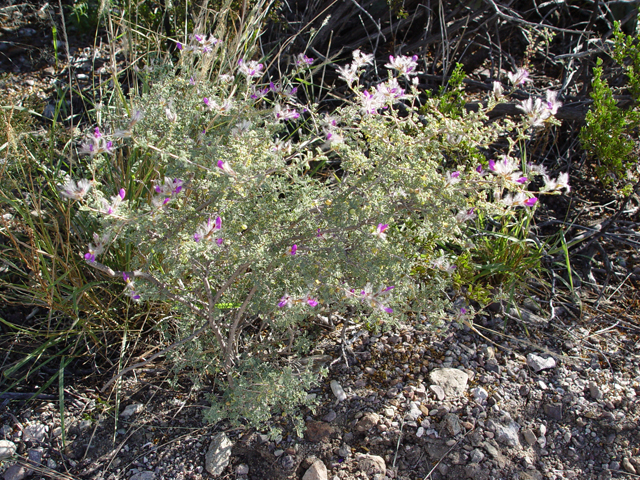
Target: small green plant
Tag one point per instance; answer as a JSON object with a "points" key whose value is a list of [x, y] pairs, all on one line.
{"points": [[452, 95], [610, 135], [607, 133]]}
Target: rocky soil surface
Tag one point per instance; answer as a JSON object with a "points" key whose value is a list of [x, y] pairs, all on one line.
{"points": [[407, 404]]}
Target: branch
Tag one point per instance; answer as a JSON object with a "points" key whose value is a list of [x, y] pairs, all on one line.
{"points": [[155, 355]]}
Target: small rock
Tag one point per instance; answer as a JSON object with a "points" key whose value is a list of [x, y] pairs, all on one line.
{"points": [[147, 475], [318, 431], [242, 469], [131, 410], [438, 391], [542, 429], [424, 409], [7, 449], [477, 456], [16, 472], [538, 363], [35, 455], [219, 454], [529, 436], [626, 464], [495, 453], [372, 465], [508, 434], [330, 417], [595, 391], [338, 391], [51, 463], [452, 424], [317, 471], [389, 412], [35, 433], [420, 432], [614, 465], [452, 381], [288, 462], [479, 394], [414, 411], [553, 410], [368, 421]]}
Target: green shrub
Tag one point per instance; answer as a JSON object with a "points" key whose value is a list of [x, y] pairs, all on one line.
{"points": [[610, 134], [251, 213]]}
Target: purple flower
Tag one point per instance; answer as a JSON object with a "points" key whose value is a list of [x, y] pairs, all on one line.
{"points": [[519, 77], [89, 257], [522, 180], [285, 301], [179, 45], [302, 59], [224, 166], [293, 250], [207, 230], [530, 202], [479, 169], [122, 193], [380, 229]]}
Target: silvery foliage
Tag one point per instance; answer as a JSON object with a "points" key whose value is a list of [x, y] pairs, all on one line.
{"points": [[251, 212]]}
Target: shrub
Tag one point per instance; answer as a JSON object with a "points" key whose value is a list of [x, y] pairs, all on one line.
{"points": [[252, 213], [610, 134]]}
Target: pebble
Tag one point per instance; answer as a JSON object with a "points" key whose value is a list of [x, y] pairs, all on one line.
{"points": [[476, 456], [452, 381], [508, 434], [147, 475], [595, 391], [372, 464], [529, 436], [538, 363], [553, 410], [131, 410], [368, 421], [626, 464], [414, 411], [242, 469], [330, 417], [7, 449], [35, 433], [288, 462], [16, 472], [317, 471], [218, 455], [480, 395], [338, 391], [438, 391], [452, 424]]}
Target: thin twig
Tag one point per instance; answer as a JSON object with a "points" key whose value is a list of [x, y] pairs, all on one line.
{"points": [[155, 355]]}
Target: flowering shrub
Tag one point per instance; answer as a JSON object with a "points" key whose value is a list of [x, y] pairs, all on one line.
{"points": [[253, 213]]}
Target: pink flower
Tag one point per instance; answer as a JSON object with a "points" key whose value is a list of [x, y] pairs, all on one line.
{"points": [[207, 230], [285, 301], [293, 250], [379, 232], [224, 166]]}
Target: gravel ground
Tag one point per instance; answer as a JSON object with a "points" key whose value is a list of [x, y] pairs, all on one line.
{"points": [[460, 403]]}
